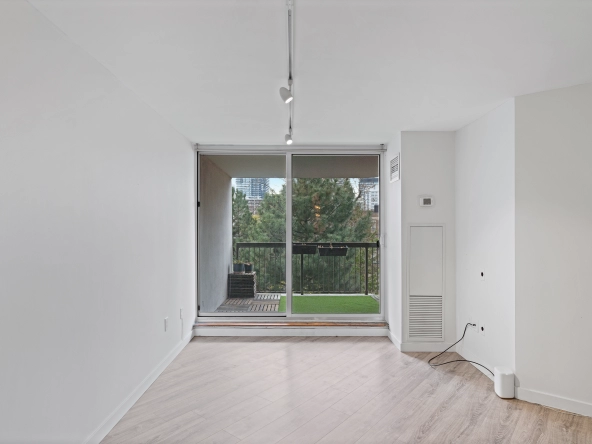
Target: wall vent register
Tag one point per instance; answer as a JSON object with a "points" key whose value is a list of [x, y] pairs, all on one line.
{"points": [[425, 317], [394, 174]]}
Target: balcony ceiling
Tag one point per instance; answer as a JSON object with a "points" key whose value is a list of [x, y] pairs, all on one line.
{"points": [[363, 68], [303, 166]]}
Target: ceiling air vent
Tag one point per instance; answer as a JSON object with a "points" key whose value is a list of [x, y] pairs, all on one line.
{"points": [[395, 168], [425, 317]]}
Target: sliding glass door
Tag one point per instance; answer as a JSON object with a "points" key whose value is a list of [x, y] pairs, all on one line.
{"points": [[242, 235], [335, 233], [327, 205]]}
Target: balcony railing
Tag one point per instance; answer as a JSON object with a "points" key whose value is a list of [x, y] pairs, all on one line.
{"points": [[358, 272]]}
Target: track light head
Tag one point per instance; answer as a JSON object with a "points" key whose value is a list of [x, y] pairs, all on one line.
{"points": [[286, 95], [288, 139]]}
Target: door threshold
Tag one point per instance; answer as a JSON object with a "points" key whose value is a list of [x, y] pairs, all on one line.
{"points": [[290, 324]]}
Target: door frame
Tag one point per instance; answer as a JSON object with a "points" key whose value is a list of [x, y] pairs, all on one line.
{"points": [[289, 152]]}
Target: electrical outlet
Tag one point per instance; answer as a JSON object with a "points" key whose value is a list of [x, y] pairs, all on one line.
{"points": [[166, 323], [481, 327], [482, 275], [473, 323]]}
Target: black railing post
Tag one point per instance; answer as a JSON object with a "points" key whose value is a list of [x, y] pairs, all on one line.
{"points": [[366, 270], [301, 273], [331, 271]]}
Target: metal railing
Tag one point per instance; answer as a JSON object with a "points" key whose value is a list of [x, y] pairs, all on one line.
{"points": [[358, 272]]}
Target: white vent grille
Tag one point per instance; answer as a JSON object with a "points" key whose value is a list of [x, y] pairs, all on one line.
{"points": [[395, 168], [425, 317]]}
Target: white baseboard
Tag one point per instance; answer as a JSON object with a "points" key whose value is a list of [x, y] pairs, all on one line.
{"points": [[110, 422], [425, 346], [464, 355], [557, 402], [288, 331], [394, 340]]}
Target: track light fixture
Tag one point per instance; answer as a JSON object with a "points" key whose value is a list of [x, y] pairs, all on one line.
{"points": [[286, 95], [288, 137]]}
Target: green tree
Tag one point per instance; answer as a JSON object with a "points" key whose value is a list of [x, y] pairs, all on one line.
{"points": [[242, 219], [326, 210], [323, 210], [271, 218]]}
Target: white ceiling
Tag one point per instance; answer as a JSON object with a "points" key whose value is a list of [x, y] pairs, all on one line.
{"points": [[363, 69]]}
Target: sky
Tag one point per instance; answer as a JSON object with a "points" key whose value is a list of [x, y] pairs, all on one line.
{"points": [[276, 184]]}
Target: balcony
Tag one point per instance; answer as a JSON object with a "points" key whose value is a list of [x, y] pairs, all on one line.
{"points": [[344, 274]]}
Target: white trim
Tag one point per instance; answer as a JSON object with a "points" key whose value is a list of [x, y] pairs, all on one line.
{"points": [[382, 185], [394, 340], [300, 149], [425, 346], [102, 430], [289, 152], [197, 179], [289, 241], [481, 369], [290, 331], [301, 318], [464, 355], [555, 401]]}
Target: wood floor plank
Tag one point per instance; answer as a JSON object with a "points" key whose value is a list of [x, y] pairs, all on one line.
{"points": [[316, 428], [331, 390], [221, 437], [295, 418]]}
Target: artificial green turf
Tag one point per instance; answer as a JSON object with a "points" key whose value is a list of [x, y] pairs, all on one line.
{"points": [[331, 304]]}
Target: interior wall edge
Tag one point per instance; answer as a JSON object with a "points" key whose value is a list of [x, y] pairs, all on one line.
{"points": [[111, 421], [394, 340]]}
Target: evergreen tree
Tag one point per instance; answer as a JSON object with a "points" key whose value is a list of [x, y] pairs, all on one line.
{"points": [[323, 210], [242, 219]]}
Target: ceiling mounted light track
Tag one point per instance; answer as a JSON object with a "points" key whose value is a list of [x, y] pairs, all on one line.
{"points": [[288, 137], [287, 94]]}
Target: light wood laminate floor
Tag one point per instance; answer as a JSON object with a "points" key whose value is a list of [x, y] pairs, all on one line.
{"points": [[331, 390]]}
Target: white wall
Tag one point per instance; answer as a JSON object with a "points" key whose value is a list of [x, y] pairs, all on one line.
{"points": [[215, 235], [554, 247], [427, 168], [96, 237], [391, 211], [485, 241]]}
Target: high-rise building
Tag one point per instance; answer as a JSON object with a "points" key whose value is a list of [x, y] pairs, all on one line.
{"points": [[369, 193], [255, 188]]}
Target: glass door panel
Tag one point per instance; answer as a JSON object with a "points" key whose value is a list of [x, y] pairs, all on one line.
{"points": [[335, 232], [242, 235]]}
